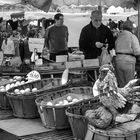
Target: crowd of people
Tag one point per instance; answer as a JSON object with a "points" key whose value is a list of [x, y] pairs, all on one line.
{"points": [[14, 36], [122, 44]]}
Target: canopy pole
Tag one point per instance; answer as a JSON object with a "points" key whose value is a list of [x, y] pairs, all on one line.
{"points": [[139, 20]]}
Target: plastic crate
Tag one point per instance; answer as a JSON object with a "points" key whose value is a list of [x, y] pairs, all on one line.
{"points": [[23, 105], [78, 122], [54, 116]]}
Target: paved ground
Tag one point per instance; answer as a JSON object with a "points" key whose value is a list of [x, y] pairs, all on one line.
{"points": [[51, 135]]}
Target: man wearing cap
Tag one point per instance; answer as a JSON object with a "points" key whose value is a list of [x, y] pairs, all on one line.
{"points": [[93, 36]]}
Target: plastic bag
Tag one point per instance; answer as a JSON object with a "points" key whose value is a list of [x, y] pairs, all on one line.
{"points": [[105, 57]]}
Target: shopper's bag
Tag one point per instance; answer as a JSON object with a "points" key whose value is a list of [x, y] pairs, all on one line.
{"points": [[105, 57]]}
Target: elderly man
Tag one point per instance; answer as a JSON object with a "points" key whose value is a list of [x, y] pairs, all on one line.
{"points": [[93, 36]]}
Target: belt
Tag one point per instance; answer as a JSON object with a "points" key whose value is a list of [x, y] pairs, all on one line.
{"points": [[125, 53]]}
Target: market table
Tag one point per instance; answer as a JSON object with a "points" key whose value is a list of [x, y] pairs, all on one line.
{"points": [[53, 72]]}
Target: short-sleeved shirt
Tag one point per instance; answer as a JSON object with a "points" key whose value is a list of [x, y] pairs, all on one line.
{"points": [[56, 38]]}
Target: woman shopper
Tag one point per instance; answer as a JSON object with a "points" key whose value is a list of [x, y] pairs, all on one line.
{"points": [[127, 48]]}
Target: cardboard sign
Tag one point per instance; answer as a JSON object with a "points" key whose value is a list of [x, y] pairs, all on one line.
{"points": [[37, 43], [33, 75]]}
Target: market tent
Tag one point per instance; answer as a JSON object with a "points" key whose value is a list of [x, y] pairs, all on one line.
{"points": [[73, 6], [119, 9], [111, 10], [81, 5], [40, 4], [89, 5], [17, 15]]}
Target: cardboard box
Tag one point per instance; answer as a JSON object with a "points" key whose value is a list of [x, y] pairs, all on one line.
{"points": [[57, 65], [90, 62], [73, 64], [61, 58]]}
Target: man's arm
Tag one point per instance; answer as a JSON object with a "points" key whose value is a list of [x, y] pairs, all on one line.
{"points": [[83, 40], [110, 40], [67, 34], [46, 36]]}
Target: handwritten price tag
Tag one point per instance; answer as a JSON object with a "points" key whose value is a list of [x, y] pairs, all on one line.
{"points": [[33, 75]]}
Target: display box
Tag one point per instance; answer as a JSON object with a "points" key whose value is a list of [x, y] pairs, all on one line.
{"points": [[90, 62], [73, 64], [61, 58]]}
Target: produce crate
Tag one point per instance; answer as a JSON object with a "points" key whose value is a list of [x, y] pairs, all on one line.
{"points": [[78, 122], [53, 116], [23, 103]]}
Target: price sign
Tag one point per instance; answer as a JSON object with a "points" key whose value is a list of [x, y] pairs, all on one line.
{"points": [[33, 75]]}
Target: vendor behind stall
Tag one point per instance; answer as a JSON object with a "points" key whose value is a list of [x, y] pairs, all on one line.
{"points": [[56, 37]]}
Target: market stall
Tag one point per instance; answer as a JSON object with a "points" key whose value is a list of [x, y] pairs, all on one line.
{"points": [[72, 106]]}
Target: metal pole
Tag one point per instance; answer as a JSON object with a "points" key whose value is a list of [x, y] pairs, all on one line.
{"points": [[139, 20], [100, 5]]}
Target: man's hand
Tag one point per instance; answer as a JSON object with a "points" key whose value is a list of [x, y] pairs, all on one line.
{"points": [[99, 44]]}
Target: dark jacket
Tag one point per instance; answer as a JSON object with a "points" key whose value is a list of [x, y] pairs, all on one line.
{"points": [[90, 35]]}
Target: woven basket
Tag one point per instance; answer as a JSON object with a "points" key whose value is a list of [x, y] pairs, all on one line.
{"points": [[23, 105], [78, 122], [54, 116], [4, 103]]}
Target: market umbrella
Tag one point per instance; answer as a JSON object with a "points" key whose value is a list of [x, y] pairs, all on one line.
{"points": [[40, 4]]}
